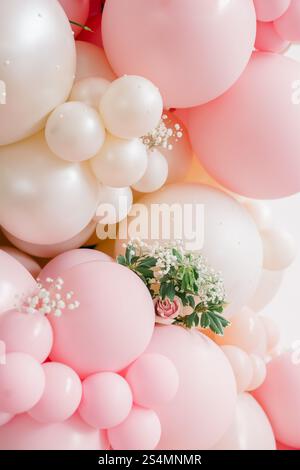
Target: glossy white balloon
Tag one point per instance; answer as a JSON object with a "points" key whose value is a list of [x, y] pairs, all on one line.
{"points": [[89, 91], [37, 64], [114, 204], [120, 163], [155, 175], [280, 249], [260, 212], [131, 107], [74, 131], [269, 284], [92, 62], [44, 199]]}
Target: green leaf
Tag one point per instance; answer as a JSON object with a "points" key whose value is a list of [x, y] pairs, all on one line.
{"points": [[121, 260], [128, 254], [86, 28], [148, 262], [204, 322], [191, 301]]}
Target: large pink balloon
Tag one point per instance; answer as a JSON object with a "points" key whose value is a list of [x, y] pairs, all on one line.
{"points": [[29, 263], [77, 11], [24, 433], [268, 40], [252, 131], [113, 324], [250, 428], [288, 25], [279, 396], [57, 266], [270, 10], [15, 282], [187, 49], [188, 421]]}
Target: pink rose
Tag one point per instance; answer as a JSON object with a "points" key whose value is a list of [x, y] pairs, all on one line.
{"points": [[166, 311]]}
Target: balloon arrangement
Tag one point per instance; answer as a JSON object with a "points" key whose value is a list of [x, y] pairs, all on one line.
{"points": [[84, 126]]}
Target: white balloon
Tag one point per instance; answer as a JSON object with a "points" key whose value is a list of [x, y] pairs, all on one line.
{"points": [[114, 204], [120, 163], [74, 131], [92, 62], [131, 107], [155, 175], [269, 285], [37, 64], [280, 249], [44, 199], [89, 91], [260, 212]]}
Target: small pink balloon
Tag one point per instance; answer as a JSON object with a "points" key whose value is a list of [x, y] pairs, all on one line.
{"points": [[94, 36], [30, 264], [246, 332], [288, 25], [183, 51], [49, 251], [268, 122], [106, 400], [25, 433], [100, 335], [140, 431], [92, 62], [250, 428], [259, 372], [279, 396], [22, 382], [267, 38], [241, 366], [57, 266], [26, 333], [153, 379], [271, 9], [61, 396], [77, 11], [5, 418], [15, 282]]}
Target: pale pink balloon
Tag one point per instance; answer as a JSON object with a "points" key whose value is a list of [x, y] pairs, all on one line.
{"points": [[100, 335], [259, 372], [268, 287], [250, 428], [246, 332], [279, 396], [283, 447], [241, 366], [94, 36], [5, 418], [22, 382], [272, 332], [269, 126], [153, 379], [106, 400], [25, 433], [288, 24], [29, 263], [267, 38], [269, 10], [187, 421], [61, 396], [15, 282], [140, 431], [49, 251], [184, 51], [63, 262], [92, 62], [77, 11], [26, 333]]}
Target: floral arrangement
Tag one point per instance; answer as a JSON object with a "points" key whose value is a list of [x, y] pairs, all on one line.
{"points": [[185, 289]]}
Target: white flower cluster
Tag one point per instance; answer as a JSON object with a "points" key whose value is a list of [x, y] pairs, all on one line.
{"points": [[161, 135]]}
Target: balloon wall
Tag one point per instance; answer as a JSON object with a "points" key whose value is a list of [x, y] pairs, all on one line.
{"points": [[144, 149]]}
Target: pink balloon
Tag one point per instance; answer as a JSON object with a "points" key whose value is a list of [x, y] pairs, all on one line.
{"points": [[267, 38], [250, 428], [77, 11], [57, 266], [241, 366], [279, 396], [271, 9], [25, 433], [240, 148], [283, 447], [140, 431], [92, 62], [153, 379], [30, 264], [15, 282], [49, 251], [95, 7], [101, 335], [288, 25], [26, 333], [106, 400], [190, 53], [187, 420], [5, 418], [94, 36], [22, 383], [61, 396]]}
